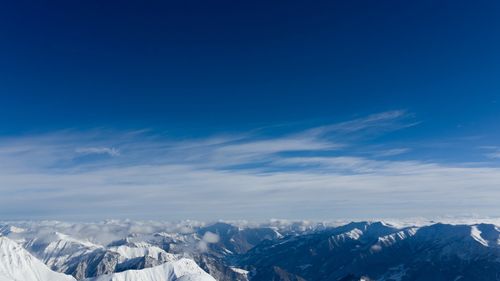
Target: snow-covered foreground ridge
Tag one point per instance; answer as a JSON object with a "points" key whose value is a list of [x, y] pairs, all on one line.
{"points": [[181, 270], [16, 264]]}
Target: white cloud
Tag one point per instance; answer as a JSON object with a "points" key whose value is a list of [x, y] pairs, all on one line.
{"points": [[210, 237], [111, 151], [381, 122], [494, 155], [493, 152], [391, 152], [160, 178]]}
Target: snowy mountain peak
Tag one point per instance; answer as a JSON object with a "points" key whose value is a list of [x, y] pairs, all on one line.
{"points": [[16, 264], [486, 234], [181, 270]]}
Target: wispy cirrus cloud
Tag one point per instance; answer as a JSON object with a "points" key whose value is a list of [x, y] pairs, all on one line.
{"points": [[375, 123], [392, 152], [313, 173], [492, 152], [111, 151]]}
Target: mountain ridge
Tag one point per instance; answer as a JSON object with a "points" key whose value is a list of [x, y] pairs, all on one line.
{"points": [[283, 251]]}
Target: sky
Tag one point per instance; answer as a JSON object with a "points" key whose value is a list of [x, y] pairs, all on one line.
{"points": [[249, 109]]}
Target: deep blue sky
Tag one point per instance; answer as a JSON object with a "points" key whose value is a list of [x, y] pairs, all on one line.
{"points": [[227, 65], [188, 70]]}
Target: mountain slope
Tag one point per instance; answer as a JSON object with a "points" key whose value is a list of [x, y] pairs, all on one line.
{"points": [[82, 259], [16, 264], [181, 270], [376, 251]]}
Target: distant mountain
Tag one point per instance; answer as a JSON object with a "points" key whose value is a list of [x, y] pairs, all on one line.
{"points": [[237, 240], [16, 264], [377, 251], [217, 259]]}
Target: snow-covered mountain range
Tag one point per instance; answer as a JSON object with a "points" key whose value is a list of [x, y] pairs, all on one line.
{"points": [[17, 264], [278, 250]]}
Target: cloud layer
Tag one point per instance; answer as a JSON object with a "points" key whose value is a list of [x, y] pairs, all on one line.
{"points": [[315, 173]]}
